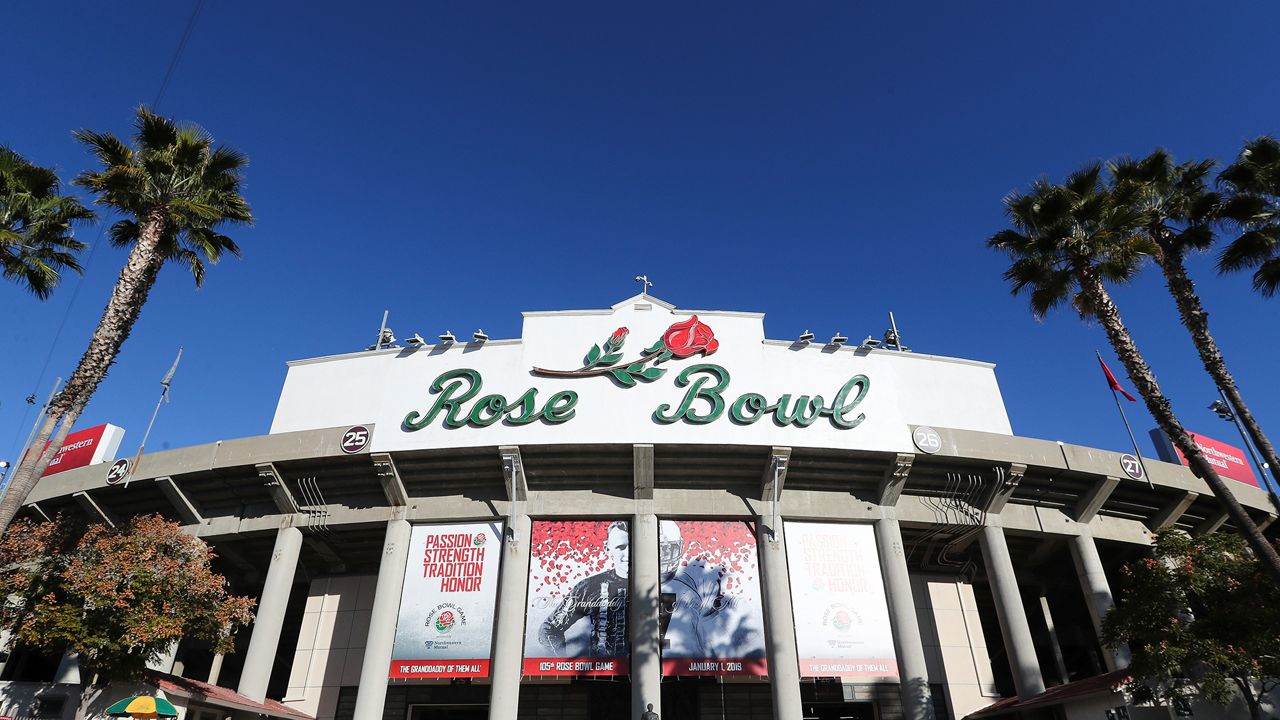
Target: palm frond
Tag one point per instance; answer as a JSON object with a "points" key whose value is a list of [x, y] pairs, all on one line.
{"points": [[123, 233], [153, 133], [37, 239], [1266, 279], [107, 148], [1252, 248], [1256, 169]]}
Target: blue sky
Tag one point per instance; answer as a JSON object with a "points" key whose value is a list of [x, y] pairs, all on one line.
{"points": [[461, 162]]}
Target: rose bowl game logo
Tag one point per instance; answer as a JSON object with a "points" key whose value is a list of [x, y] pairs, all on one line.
{"points": [[479, 540], [840, 617], [444, 622], [682, 340], [446, 618]]}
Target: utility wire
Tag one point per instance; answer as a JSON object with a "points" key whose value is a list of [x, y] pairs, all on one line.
{"points": [[177, 53], [93, 249]]}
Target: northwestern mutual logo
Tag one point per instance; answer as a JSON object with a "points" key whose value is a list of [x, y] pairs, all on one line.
{"points": [[458, 402]]}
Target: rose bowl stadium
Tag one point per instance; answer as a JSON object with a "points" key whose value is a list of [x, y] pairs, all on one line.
{"points": [[638, 512]]}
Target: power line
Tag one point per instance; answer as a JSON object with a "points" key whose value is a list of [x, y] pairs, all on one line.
{"points": [[88, 264], [177, 53]]}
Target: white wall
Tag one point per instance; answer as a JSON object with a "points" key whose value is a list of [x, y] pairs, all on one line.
{"points": [[954, 647], [330, 647], [18, 700], [382, 388]]}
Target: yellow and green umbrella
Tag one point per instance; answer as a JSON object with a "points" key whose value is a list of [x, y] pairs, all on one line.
{"points": [[143, 706]]}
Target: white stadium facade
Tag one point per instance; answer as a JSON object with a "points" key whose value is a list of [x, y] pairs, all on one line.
{"points": [[643, 509]]}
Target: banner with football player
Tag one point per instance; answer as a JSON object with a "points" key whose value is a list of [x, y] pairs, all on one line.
{"points": [[838, 601], [576, 623], [711, 619], [445, 627]]}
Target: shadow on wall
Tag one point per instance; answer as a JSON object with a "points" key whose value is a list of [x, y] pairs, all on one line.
{"points": [[918, 689], [59, 701]]}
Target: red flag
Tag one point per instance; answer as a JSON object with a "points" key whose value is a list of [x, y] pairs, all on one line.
{"points": [[1115, 384]]}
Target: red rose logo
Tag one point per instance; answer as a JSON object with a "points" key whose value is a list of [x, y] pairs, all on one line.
{"points": [[445, 622], [690, 337], [618, 336]]}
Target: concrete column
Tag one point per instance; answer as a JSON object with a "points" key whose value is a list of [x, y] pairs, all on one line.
{"points": [[1059, 661], [1014, 628], [779, 623], [215, 669], [508, 635], [68, 671], [265, 639], [1097, 593], [917, 700], [165, 662], [5, 649], [372, 692], [643, 604]]}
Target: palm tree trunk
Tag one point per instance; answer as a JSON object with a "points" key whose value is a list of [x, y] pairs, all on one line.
{"points": [[127, 298], [1196, 320], [1105, 310]]}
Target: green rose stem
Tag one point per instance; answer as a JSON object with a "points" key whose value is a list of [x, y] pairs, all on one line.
{"points": [[595, 371]]}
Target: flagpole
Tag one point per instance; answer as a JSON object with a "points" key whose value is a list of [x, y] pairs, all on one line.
{"points": [[164, 397], [1136, 452]]}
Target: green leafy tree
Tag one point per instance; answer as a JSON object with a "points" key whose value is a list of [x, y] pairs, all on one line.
{"points": [[1067, 242], [1179, 212], [176, 191], [1254, 184], [37, 241], [1200, 617], [119, 597]]}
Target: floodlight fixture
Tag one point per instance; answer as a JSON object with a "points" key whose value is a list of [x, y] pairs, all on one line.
{"points": [[479, 336], [448, 337], [415, 341], [1222, 410], [806, 336], [838, 339]]}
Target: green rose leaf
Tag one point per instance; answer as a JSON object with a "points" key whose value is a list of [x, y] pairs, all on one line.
{"points": [[652, 373], [666, 355], [655, 347], [611, 359], [635, 368], [623, 377], [593, 355]]}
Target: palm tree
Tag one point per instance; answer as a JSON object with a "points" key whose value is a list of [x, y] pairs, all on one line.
{"points": [[175, 190], [1179, 212], [1066, 243], [36, 237], [1254, 182]]}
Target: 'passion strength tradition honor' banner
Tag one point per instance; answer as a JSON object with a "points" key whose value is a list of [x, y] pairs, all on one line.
{"points": [[576, 624], [837, 599], [711, 620], [445, 628]]}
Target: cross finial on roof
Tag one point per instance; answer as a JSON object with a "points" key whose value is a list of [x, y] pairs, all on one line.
{"points": [[644, 283]]}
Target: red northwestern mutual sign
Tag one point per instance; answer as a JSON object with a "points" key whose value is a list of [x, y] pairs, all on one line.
{"points": [[86, 447], [1229, 460]]}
